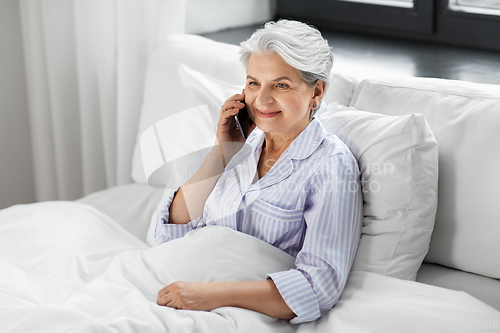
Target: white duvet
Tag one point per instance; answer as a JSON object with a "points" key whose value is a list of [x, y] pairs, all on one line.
{"points": [[66, 267]]}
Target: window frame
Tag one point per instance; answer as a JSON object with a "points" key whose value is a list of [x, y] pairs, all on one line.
{"points": [[467, 29], [334, 13], [428, 20]]}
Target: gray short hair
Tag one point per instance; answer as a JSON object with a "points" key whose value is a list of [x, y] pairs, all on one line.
{"points": [[299, 45]]}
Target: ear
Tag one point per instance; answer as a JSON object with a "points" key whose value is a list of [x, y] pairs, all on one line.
{"points": [[318, 92]]}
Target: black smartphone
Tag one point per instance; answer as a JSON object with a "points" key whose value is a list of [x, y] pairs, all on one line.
{"points": [[243, 122]]}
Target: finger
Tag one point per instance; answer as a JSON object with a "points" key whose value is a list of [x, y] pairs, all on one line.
{"points": [[164, 299], [162, 294], [228, 116], [230, 113], [233, 105], [171, 304], [236, 97], [164, 290]]}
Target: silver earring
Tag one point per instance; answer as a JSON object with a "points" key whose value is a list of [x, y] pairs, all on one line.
{"points": [[314, 105]]}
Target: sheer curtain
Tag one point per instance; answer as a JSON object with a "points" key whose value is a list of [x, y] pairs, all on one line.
{"points": [[86, 64]]}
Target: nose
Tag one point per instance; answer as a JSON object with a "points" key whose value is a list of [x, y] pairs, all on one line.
{"points": [[264, 96]]}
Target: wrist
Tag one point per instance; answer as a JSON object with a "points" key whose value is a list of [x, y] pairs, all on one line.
{"points": [[220, 295], [229, 149]]}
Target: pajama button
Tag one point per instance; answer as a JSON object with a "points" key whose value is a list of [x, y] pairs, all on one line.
{"points": [[234, 203]]}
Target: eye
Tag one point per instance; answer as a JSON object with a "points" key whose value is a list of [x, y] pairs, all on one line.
{"points": [[253, 83], [282, 85]]}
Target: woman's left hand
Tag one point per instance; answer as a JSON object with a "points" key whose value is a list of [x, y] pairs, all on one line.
{"points": [[261, 296], [187, 296]]}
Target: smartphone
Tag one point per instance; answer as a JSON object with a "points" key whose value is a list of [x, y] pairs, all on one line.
{"points": [[243, 122]]}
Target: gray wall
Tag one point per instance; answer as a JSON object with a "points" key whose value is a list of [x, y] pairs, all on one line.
{"points": [[16, 170]]}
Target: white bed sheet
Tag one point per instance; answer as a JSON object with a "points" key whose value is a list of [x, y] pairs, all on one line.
{"points": [[483, 288], [66, 266], [131, 206]]}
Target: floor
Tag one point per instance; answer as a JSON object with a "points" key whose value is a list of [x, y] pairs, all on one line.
{"points": [[371, 56]]}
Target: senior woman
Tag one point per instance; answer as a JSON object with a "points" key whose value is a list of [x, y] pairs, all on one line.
{"points": [[298, 188]]}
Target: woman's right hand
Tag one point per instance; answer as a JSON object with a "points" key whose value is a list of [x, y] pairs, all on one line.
{"points": [[229, 138], [227, 131]]}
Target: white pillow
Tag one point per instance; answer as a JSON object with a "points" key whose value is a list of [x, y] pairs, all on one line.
{"points": [[205, 89], [464, 118], [398, 159], [341, 88]]}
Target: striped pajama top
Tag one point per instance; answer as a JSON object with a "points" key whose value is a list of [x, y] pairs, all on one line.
{"points": [[309, 204]]}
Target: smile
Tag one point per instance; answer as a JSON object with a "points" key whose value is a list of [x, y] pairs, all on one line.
{"points": [[267, 114]]}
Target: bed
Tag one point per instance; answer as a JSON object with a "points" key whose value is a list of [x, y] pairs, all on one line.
{"points": [[89, 265]]}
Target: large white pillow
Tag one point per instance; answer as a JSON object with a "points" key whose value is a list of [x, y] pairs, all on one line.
{"points": [[398, 159], [205, 89], [465, 119], [400, 204], [341, 88]]}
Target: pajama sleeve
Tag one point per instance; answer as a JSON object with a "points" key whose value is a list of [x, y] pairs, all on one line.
{"points": [[165, 231]]}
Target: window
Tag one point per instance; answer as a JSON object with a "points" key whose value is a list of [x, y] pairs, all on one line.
{"points": [[384, 15], [473, 23], [395, 3], [475, 5]]}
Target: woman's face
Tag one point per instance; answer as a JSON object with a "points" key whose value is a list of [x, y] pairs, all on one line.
{"points": [[278, 100]]}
